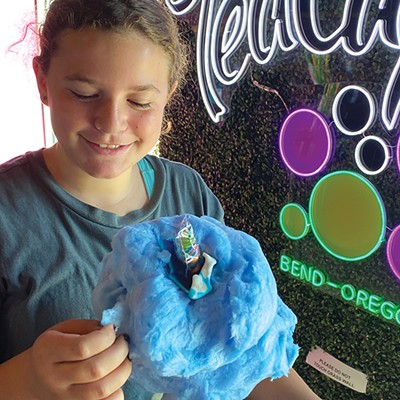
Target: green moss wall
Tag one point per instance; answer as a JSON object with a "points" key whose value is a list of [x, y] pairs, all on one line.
{"points": [[240, 161]]}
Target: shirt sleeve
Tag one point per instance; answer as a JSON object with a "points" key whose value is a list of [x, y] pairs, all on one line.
{"points": [[213, 206]]}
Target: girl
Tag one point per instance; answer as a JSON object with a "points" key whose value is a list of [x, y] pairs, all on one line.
{"points": [[106, 70]]}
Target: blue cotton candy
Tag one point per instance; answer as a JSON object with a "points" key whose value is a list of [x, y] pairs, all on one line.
{"points": [[217, 347]]}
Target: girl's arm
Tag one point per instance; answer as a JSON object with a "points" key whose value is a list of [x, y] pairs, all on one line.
{"points": [[291, 387]]}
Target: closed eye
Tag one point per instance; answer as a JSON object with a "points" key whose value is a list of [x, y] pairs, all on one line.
{"points": [[83, 97], [142, 106]]}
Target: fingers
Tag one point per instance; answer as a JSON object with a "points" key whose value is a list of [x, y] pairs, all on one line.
{"points": [[77, 326], [68, 347], [105, 388], [118, 395], [79, 359], [96, 367]]}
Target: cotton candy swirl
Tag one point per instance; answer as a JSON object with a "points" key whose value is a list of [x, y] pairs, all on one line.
{"points": [[217, 347]]}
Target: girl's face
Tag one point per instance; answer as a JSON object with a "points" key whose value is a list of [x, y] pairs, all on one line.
{"points": [[106, 93]]}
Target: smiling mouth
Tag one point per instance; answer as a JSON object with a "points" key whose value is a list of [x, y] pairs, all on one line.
{"points": [[109, 146]]}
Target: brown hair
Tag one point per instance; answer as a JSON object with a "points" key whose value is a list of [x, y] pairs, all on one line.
{"points": [[149, 18]]}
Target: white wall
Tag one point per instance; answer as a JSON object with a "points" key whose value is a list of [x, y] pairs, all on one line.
{"points": [[22, 127]]}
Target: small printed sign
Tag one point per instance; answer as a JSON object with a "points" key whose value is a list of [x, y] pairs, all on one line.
{"points": [[337, 370]]}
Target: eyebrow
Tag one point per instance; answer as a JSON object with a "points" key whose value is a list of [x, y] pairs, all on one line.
{"points": [[79, 78], [84, 79]]}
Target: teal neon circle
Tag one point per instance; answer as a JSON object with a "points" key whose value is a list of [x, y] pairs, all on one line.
{"points": [[347, 215], [294, 222]]}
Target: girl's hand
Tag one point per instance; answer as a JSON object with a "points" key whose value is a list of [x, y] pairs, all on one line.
{"points": [[78, 359]]}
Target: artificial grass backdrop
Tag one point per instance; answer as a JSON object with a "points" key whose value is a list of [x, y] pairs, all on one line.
{"points": [[240, 161]]}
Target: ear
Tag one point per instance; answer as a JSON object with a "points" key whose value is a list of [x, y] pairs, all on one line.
{"points": [[41, 81]]}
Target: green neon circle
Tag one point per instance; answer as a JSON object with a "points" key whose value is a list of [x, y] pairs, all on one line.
{"points": [[347, 215], [294, 221]]}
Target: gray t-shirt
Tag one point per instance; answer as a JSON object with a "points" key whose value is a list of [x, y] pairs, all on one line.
{"points": [[51, 244]]}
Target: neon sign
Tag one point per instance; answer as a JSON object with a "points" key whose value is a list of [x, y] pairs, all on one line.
{"points": [[393, 251], [294, 221], [345, 121], [346, 215], [361, 298], [381, 159], [305, 142], [350, 222], [230, 36]]}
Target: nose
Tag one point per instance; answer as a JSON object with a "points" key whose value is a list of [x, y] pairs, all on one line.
{"points": [[111, 117]]}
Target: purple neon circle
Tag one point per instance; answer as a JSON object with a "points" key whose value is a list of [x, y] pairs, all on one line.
{"points": [[393, 251], [398, 154], [305, 142]]}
